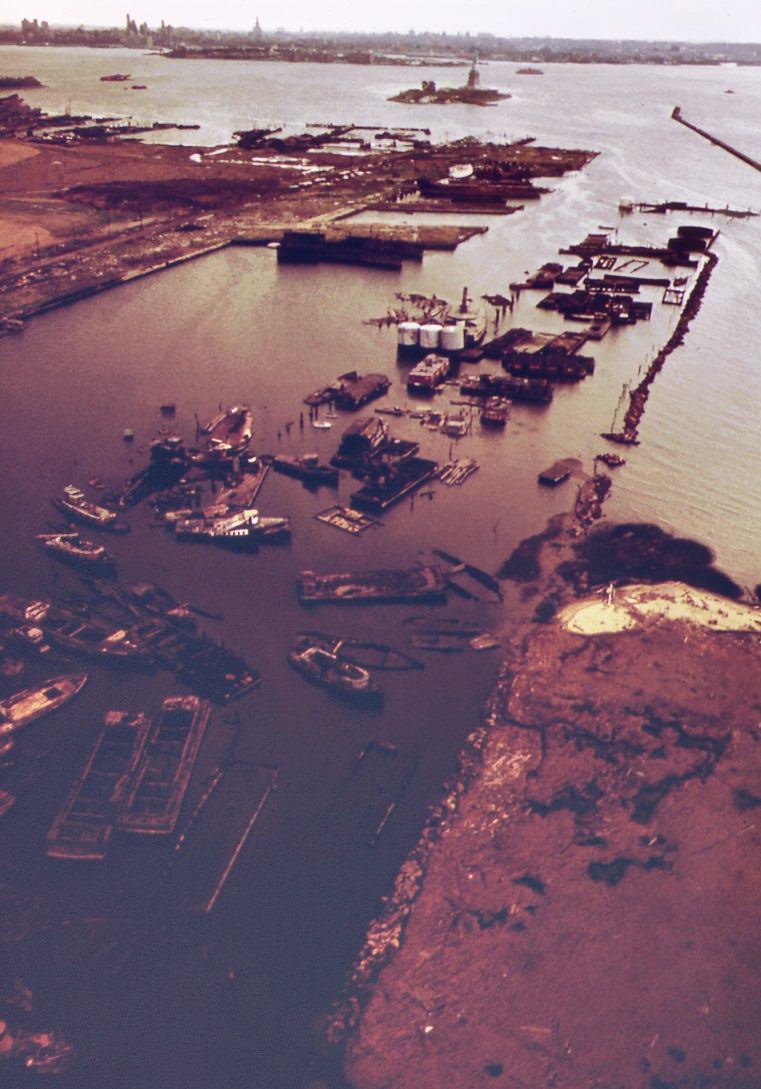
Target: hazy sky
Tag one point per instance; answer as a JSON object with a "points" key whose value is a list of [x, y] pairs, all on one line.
{"points": [[689, 20]]}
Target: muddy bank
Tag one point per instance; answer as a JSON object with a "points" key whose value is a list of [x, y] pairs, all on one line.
{"points": [[588, 917], [580, 911]]}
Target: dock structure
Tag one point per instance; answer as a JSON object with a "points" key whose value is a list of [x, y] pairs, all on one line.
{"points": [[676, 115]]}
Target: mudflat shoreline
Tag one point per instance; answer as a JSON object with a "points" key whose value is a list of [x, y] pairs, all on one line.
{"points": [[581, 913], [83, 216]]}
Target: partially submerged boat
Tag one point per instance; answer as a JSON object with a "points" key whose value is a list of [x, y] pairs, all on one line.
{"points": [[306, 468], [423, 582], [230, 431], [153, 799], [74, 503], [72, 631], [83, 827], [77, 551], [315, 662], [495, 412], [243, 530], [26, 706], [361, 652]]}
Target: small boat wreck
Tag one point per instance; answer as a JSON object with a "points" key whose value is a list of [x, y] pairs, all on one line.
{"points": [[75, 504], [341, 677], [26, 706], [306, 468], [420, 583], [152, 802], [72, 631], [495, 412], [361, 651], [77, 551], [153, 599], [230, 431], [82, 828], [242, 531]]}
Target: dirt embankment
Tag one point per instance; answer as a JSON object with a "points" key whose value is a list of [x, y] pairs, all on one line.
{"points": [[589, 919]]}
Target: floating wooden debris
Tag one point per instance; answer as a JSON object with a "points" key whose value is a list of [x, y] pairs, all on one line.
{"points": [[347, 519], [457, 471], [366, 802], [230, 806]]}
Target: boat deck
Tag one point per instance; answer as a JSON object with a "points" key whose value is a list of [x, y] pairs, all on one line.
{"points": [[152, 803], [84, 825]]}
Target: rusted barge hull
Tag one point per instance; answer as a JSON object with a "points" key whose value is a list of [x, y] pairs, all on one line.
{"points": [[420, 583]]}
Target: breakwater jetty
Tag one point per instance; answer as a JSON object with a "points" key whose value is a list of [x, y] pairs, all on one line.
{"points": [[676, 115]]}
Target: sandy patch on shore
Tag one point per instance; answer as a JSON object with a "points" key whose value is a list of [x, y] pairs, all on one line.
{"points": [[620, 609]]}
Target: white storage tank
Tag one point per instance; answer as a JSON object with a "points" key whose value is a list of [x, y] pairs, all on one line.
{"points": [[430, 336], [453, 337], [408, 334]]}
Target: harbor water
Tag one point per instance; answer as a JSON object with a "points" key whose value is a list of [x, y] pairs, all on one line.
{"points": [[148, 994]]}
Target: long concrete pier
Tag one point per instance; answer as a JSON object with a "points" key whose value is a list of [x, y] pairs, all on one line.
{"points": [[676, 115]]}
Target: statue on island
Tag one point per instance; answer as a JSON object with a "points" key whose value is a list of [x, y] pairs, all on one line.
{"points": [[470, 93]]}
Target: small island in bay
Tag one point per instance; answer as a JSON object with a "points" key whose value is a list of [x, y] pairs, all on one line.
{"points": [[470, 93], [14, 83]]}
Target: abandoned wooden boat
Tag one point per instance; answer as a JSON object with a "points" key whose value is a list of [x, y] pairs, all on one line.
{"points": [[230, 431], [72, 631], [83, 826], [77, 551], [242, 530], [75, 504], [153, 799], [26, 706], [343, 678], [305, 468], [361, 652]]}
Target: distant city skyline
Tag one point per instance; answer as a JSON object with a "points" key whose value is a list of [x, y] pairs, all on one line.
{"points": [[676, 20]]}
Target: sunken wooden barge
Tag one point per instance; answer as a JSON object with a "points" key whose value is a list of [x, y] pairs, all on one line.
{"points": [[73, 632], [83, 827], [152, 802], [415, 584]]}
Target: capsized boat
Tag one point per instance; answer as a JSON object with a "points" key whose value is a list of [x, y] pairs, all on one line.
{"points": [[230, 431], [73, 549], [24, 707], [72, 631], [319, 665], [74, 503]]}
